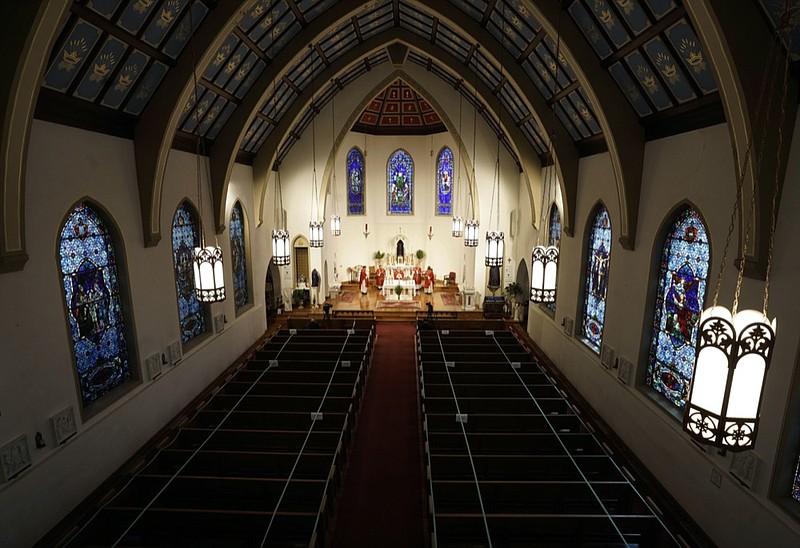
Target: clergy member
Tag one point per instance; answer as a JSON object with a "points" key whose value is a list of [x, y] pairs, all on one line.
{"points": [[428, 280], [380, 275], [417, 276], [363, 280]]}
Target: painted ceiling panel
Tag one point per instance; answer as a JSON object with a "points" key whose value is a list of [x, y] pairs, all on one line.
{"points": [[146, 89], [163, 22], [222, 119], [71, 56], [183, 31], [473, 8], [125, 80], [505, 33], [590, 30], [691, 54], [260, 22], [660, 7], [634, 15], [101, 68], [106, 8], [398, 110], [452, 41], [609, 22], [646, 77], [630, 89], [583, 106], [670, 70]]}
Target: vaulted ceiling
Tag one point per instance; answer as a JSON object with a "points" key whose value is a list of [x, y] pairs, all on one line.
{"points": [[399, 110], [248, 76]]}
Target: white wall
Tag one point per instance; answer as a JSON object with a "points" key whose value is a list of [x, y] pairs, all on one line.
{"points": [[64, 166], [697, 166]]}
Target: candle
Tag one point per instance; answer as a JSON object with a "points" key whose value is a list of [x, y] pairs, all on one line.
{"points": [[366, 227]]}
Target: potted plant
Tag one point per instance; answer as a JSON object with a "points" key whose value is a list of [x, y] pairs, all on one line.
{"points": [[378, 256], [398, 290], [513, 292], [298, 298], [420, 255]]}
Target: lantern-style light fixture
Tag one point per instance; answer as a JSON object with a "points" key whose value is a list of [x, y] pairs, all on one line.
{"points": [[733, 355], [209, 278], [458, 226], [336, 223], [495, 247], [471, 230], [281, 254], [316, 231], [544, 271], [734, 347]]}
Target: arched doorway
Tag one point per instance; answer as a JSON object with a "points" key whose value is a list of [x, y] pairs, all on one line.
{"points": [[272, 289], [302, 270], [524, 282]]}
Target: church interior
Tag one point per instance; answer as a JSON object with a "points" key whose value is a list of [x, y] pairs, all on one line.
{"points": [[290, 272]]}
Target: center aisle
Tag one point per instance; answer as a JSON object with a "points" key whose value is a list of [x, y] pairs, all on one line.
{"points": [[381, 502]]}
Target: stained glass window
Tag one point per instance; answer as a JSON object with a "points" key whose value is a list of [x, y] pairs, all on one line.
{"points": [[400, 184], [682, 282], [444, 182], [355, 182], [597, 269], [92, 293], [185, 237], [554, 238], [796, 485], [241, 295]]}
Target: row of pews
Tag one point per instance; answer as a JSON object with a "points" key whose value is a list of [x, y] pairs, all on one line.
{"points": [[259, 461], [511, 461]]}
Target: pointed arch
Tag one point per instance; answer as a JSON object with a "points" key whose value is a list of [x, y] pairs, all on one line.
{"points": [[598, 264], [93, 281], [238, 229], [684, 258], [356, 182], [400, 183], [444, 182], [186, 235]]}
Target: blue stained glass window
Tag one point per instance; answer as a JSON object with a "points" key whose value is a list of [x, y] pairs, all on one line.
{"points": [[355, 182], [597, 269], [444, 182], [682, 280], [554, 238], [400, 184], [796, 485], [92, 294], [185, 237], [241, 295]]}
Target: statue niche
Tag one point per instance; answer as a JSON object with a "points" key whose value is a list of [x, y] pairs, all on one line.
{"points": [[400, 251]]}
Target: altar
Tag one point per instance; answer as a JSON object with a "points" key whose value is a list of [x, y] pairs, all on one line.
{"points": [[408, 286]]}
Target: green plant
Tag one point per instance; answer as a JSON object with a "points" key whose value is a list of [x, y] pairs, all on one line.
{"points": [[513, 290], [419, 255], [398, 290], [378, 255], [299, 297]]}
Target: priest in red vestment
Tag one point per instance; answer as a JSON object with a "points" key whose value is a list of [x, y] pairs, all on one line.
{"points": [[380, 276], [428, 280], [417, 276], [363, 280]]}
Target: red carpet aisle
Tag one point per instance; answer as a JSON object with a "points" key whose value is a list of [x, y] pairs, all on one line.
{"points": [[381, 503]]}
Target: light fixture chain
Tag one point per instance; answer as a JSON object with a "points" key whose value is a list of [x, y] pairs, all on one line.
{"points": [[778, 181], [740, 186]]}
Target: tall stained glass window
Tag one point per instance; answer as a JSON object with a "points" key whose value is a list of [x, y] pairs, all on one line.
{"points": [[400, 184], [554, 238], [92, 293], [185, 237], [444, 182], [597, 269], [241, 294], [682, 282], [796, 485], [355, 182]]}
